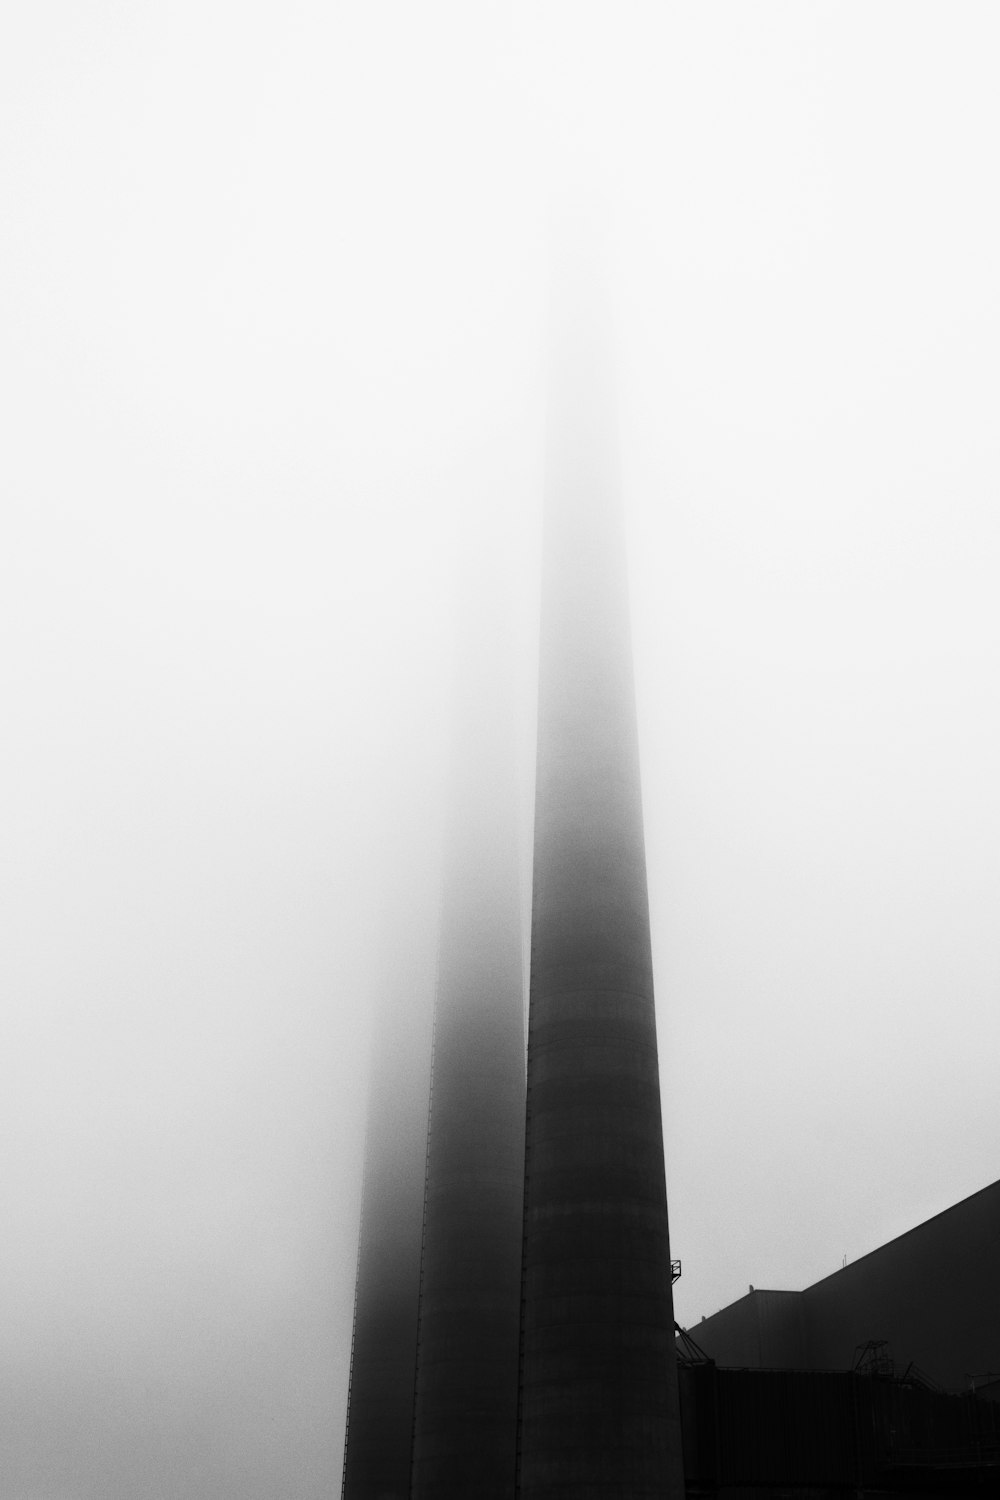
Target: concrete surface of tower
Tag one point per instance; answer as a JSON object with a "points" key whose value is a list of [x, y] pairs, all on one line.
{"points": [[598, 1413], [383, 1352], [464, 1429]]}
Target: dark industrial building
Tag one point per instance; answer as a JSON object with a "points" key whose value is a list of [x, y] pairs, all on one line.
{"points": [[932, 1296], [833, 1435], [883, 1378]]}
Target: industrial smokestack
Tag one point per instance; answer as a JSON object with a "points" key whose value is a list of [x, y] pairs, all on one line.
{"points": [[383, 1352], [464, 1437], [598, 1412]]}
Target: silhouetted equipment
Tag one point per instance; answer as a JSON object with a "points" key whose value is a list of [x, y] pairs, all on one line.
{"points": [[688, 1351], [873, 1358], [914, 1375]]}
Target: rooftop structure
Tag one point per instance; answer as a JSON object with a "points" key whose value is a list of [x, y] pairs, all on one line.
{"points": [[929, 1299]]}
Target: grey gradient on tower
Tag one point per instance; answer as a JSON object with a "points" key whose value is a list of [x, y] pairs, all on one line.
{"points": [[466, 1398], [383, 1354], [598, 1410]]}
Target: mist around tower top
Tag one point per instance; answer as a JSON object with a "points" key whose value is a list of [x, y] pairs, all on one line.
{"points": [[275, 376]]}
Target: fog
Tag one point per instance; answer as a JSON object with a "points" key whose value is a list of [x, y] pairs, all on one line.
{"points": [[274, 358]]}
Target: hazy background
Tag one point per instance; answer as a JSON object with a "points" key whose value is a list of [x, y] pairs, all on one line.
{"points": [[273, 301]]}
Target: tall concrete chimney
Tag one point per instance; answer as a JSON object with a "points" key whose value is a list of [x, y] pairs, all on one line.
{"points": [[464, 1432], [598, 1414], [384, 1347]]}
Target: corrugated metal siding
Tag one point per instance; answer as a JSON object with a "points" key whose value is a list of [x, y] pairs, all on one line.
{"points": [[785, 1427], [816, 1429], [927, 1428]]}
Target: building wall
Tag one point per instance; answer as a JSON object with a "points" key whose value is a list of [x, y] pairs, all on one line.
{"points": [[814, 1434], [933, 1294], [762, 1331]]}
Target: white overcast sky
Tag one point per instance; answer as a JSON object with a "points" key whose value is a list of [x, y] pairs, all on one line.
{"points": [[273, 310]]}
